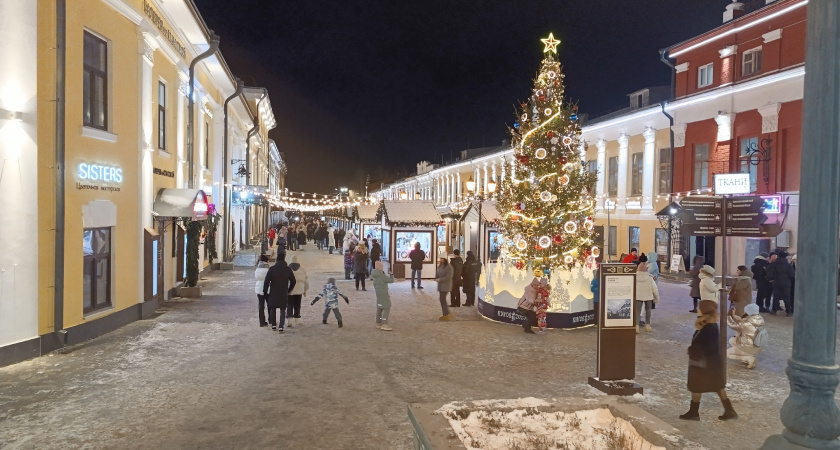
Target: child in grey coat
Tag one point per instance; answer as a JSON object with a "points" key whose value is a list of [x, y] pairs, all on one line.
{"points": [[383, 298], [331, 294]]}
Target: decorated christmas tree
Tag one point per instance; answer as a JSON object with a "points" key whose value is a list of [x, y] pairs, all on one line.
{"points": [[548, 202]]}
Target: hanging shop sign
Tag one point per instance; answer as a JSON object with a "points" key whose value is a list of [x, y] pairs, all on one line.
{"points": [[163, 173], [91, 176], [732, 183], [772, 204]]}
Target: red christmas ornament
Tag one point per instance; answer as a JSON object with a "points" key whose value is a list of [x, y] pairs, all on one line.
{"points": [[523, 105], [564, 160], [550, 134], [541, 98], [558, 239], [524, 159], [520, 265]]}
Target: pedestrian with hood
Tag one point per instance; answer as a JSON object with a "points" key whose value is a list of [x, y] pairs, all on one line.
{"points": [[383, 298], [301, 238], [782, 275], [443, 276], [747, 344], [705, 363], [764, 289], [457, 264], [279, 281], [653, 266], [360, 260], [709, 290], [259, 274], [470, 274], [740, 294], [647, 293], [331, 238], [527, 305], [417, 257], [694, 274], [296, 294], [330, 295]]}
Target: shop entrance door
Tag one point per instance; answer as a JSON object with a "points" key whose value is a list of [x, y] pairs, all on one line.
{"points": [[152, 265]]}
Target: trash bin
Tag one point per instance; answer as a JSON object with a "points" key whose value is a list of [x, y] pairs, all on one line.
{"points": [[399, 271]]}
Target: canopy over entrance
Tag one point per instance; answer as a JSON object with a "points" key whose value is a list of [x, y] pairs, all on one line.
{"points": [[179, 203]]}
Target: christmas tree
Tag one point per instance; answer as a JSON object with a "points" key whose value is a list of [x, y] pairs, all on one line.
{"points": [[548, 202]]}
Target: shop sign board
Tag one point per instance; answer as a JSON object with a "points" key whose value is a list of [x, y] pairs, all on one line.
{"points": [[772, 204], [732, 183]]}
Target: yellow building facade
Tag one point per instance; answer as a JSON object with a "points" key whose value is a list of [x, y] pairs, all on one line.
{"points": [[95, 105]]}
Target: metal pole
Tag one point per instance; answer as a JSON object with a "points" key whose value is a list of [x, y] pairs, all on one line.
{"points": [[723, 305], [810, 415], [60, 104]]}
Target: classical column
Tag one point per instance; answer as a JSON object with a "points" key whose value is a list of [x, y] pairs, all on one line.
{"points": [[602, 173], [458, 190], [484, 186], [148, 88], [648, 170], [494, 174], [810, 415], [623, 142]]}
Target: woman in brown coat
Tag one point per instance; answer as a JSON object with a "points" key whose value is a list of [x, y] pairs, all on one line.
{"points": [[694, 273], [741, 292]]}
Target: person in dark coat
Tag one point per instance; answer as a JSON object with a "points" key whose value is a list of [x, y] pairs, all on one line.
{"points": [[763, 287], [360, 260], [781, 277], [469, 275], [457, 264], [279, 281], [417, 257], [375, 252], [301, 238], [705, 363], [694, 274]]}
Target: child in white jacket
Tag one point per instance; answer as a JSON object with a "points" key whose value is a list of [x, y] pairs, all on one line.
{"points": [[646, 295], [743, 344]]}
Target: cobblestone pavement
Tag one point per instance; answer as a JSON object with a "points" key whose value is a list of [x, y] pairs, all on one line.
{"points": [[204, 375]]}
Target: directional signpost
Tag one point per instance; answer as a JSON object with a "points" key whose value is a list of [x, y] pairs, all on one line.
{"points": [[741, 216]]}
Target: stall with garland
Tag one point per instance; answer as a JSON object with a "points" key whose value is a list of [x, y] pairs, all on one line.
{"points": [[404, 223], [364, 220], [483, 235], [546, 210]]}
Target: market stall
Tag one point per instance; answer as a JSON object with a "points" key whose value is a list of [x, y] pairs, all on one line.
{"points": [[404, 223]]}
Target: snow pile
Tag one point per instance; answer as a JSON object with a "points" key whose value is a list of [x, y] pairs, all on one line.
{"points": [[529, 428]]}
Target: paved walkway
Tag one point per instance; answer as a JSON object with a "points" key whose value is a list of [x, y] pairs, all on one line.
{"points": [[204, 375]]}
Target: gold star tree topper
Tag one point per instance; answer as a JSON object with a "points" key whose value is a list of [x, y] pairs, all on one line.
{"points": [[550, 43]]}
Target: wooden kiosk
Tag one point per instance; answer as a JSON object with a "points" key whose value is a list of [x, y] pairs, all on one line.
{"points": [[404, 222]]}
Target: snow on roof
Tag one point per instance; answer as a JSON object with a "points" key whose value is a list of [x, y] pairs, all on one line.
{"points": [[367, 213], [411, 212], [489, 211]]}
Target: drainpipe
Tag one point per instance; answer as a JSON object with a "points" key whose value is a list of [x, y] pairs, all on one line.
{"points": [[60, 68], [666, 60], [214, 47], [225, 195], [253, 131]]}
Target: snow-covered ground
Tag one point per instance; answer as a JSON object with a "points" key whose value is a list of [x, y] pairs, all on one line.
{"points": [[205, 375]]}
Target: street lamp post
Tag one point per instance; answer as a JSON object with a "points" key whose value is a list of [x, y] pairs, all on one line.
{"points": [[478, 196], [810, 414]]}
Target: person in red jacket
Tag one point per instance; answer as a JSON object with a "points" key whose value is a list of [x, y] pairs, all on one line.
{"points": [[271, 235], [632, 257]]}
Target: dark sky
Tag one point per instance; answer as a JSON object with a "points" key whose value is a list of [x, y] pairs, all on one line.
{"points": [[377, 86]]}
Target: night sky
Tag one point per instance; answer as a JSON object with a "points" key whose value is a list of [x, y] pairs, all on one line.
{"points": [[376, 86]]}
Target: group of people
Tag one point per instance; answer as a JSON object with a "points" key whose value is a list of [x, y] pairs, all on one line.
{"points": [[452, 276]]}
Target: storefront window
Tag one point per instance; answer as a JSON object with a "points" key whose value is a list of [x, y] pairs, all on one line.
{"points": [[96, 246], [701, 166], [95, 82], [406, 241], [161, 115], [634, 237]]}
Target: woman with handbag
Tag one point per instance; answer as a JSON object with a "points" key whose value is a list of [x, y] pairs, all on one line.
{"points": [[705, 363]]}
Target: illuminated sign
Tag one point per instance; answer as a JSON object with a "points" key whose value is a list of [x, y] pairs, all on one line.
{"points": [[98, 172], [772, 204], [732, 183]]}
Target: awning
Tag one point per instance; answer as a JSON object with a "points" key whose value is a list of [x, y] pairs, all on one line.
{"points": [[180, 203]]}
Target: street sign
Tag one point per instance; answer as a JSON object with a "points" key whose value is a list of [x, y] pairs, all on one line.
{"points": [[696, 229], [732, 183], [703, 216], [702, 210], [744, 212]]}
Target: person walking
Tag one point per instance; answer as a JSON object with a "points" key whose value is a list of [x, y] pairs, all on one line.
{"points": [[417, 257], [469, 275], [330, 295], [301, 237], [259, 274], [457, 264], [291, 238], [383, 298], [653, 266], [296, 294], [526, 306], [705, 363], [708, 287], [331, 239], [781, 276], [647, 293], [747, 344], [360, 260], [278, 282], [764, 289], [694, 274], [375, 252], [740, 294], [271, 235], [443, 276]]}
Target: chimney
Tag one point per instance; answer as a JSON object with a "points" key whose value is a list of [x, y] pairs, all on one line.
{"points": [[733, 11]]}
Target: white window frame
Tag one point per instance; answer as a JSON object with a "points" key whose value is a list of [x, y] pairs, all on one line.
{"points": [[706, 75], [754, 67]]}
